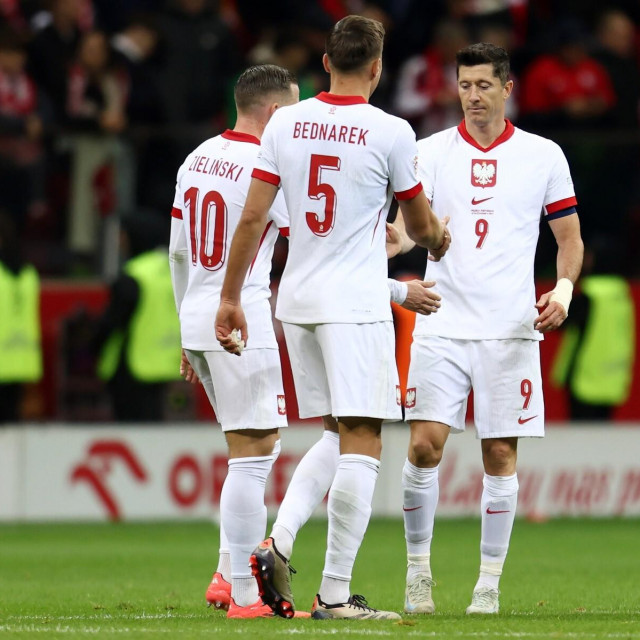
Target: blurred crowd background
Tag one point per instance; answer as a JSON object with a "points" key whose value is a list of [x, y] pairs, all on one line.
{"points": [[101, 100]]}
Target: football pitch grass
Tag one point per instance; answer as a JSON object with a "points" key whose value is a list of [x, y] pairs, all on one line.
{"points": [[563, 579]]}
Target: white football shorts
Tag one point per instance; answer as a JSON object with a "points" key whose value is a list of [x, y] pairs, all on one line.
{"points": [[245, 392], [504, 375], [344, 370]]}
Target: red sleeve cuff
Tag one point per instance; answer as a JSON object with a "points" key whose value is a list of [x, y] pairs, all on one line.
{"points": [[265, 176], [176, 213], [409, 193], [284, 232], [561, 204]]}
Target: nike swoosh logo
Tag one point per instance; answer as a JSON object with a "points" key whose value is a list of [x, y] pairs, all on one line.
{"points": [[494, 512], [474, 201], [523, 420], [411, 509]]}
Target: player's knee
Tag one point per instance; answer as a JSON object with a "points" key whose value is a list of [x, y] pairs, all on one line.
{"points": [[424, 451], [499, 456]]}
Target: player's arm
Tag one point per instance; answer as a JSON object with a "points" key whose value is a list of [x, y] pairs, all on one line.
{"points": [[178, 260], [554, 305], [423, 227], [244, 247], [398, 242]]}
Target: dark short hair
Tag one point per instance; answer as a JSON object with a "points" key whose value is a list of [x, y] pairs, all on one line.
{"points": [[485, 53], [255, 83], [353, 42]]}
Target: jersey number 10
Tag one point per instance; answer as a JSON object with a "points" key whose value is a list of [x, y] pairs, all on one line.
{"points": [[213, 242]]}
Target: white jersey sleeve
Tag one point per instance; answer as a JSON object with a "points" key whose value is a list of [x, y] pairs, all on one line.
{"points": [[560, 197], [403, 164]]}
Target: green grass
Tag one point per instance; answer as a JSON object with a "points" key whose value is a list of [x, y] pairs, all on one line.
{"points": [[564, 579]]}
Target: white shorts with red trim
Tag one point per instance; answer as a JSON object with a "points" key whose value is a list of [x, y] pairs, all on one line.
{"points": [[504, 375], [245, 392], [344, 370]]}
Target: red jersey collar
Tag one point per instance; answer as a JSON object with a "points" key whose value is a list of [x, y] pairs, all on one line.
{"points": [[509, 130], [333, 98], [239, 136]]}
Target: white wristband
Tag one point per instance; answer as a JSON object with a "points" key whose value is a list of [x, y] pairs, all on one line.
{"points": [[399, 290], [562, 293]]}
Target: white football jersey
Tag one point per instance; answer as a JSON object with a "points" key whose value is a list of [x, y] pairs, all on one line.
{"points": [[211, 190], [339, 161], [495, 197]]}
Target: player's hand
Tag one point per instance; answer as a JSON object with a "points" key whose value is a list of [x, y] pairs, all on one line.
{"points": [[394, 241], [186, 370], [435, 255], [420, 298], [230, 316], [552, 314]]}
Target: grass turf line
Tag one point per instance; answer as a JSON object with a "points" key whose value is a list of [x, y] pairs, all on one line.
{"points": [[574, 579]]}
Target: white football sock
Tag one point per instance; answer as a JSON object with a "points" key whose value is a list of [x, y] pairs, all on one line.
{"points": [[498, 504], [308, 487], [244, 514], [420, 499], [224, 557], [349, 512]]}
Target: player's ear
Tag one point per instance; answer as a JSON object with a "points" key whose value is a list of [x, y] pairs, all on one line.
{"points": [[507, 89], [325, 63], [376, 68]]}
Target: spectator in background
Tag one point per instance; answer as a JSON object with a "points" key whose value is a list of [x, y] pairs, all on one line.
{"points": [[133, 51], [596, 355], [52, 50], [22, 169], [21, 360], [427, 91], [138, 335], [96, 90], [618, 54], [566, 87], [201, 60]]}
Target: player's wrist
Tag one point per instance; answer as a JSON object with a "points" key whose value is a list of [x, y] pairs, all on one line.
{"points": [[399, 290], [562, 293], [442, 242]]}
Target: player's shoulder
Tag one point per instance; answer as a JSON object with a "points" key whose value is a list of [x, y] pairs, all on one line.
{"points": [[439, 139], [535, 141]]}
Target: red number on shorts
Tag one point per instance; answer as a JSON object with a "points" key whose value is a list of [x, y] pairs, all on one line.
{"points": [[319, 190], [526, 390], [482, 228], [213, 241]]}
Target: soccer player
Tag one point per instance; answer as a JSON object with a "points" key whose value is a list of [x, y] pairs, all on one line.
{"points": [[338, 161], [495, 181], [247, 393]]}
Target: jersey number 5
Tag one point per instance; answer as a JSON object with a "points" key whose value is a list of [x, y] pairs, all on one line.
{"points": [[213, 237], [319, 190]]}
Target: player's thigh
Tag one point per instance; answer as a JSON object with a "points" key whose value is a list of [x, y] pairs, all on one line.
{"points": [[201, 367], [307, 367], [507, 388], [248, 389], [361, 369], [439, 382]]}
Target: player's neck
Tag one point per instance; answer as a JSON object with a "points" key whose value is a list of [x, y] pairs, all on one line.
{"points": [[251, 126], [350, 86], [486, 135]]}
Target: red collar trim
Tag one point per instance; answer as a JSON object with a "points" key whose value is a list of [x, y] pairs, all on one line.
{"points": [[509, 130], [239, 137], [333, 98]]}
